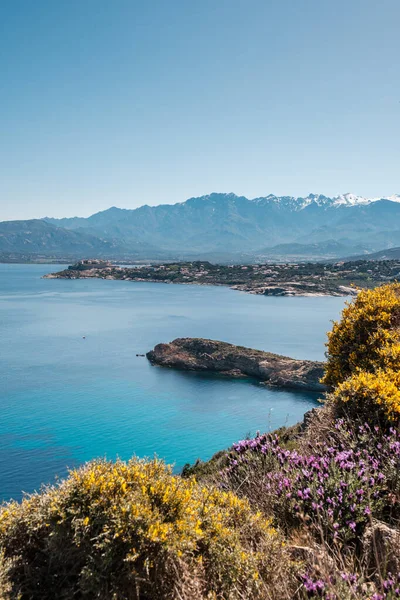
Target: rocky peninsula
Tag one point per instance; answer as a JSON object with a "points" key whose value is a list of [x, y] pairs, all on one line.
{"points": [[303, 279], [197, 354]]}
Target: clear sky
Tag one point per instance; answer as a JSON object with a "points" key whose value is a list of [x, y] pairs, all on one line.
{"points": [[127, 102]]}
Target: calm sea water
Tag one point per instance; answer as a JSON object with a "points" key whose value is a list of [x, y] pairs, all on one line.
{"points": [[65, 399]]}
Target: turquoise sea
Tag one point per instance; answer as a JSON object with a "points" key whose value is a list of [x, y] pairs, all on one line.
{"points": [[65, 399]]}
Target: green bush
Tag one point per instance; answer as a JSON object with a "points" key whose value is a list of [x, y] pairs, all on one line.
{"points": [[135, 531]]}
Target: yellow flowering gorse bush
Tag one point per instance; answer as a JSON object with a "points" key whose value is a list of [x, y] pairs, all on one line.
{"points": [[377, 394], [364, 355], [134, 530], [367, 337]]}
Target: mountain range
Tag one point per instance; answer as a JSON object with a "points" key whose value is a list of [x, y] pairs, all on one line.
{"points": [[220, 225]]}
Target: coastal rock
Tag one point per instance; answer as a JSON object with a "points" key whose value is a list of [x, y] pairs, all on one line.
{"points": [[197, 354]]}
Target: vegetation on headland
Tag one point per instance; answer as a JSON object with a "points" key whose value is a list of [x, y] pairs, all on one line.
{"points": [[311, 512], [302, 279]]}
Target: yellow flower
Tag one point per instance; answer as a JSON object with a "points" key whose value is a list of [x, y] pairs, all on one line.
{"points": [[367, 338]]}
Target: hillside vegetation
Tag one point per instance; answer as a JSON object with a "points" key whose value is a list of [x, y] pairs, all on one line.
{"points": [[308, 512]]}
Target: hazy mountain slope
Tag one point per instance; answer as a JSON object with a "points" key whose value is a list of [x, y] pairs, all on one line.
{"points": [[207, 223], [38, 237], [328, 249], [370, 224], [389, 254]]}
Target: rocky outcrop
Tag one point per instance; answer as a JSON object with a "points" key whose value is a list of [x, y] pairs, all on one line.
{"points": [[381, 545], [197, 354]]}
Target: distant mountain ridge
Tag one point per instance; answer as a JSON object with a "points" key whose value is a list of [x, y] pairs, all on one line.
{"points": [[292, 202], [37, 236], [229, 225], [226, 222]]}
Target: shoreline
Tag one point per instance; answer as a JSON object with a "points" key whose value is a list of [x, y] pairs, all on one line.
{"points": [[282, 291], [233, 288]]}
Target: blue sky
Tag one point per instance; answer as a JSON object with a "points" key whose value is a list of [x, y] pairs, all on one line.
{"points": [[125, 102]]}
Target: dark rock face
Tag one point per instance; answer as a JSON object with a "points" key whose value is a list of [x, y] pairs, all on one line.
{"points": [[197, 354]]}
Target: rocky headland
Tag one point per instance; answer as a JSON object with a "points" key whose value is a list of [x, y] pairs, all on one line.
{"points": [[309, 279], [197, 354]]}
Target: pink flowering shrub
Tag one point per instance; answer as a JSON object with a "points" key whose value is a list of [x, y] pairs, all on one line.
{"points": [[330, 490], [335, 486]]}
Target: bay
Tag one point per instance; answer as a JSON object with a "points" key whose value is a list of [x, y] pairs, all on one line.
{"points": [[65, 399]]}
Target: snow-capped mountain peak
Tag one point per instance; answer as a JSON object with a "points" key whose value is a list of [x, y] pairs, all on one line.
{"points": [[394, 198], [340, 200], [349, 200], [300, 203], [353, 200]]}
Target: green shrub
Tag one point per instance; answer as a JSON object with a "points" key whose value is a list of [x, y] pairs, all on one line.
{"points": [[135, 531]]}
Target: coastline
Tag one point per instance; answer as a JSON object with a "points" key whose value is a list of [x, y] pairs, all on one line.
{"points": [[254, 292], [180, 273]]}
